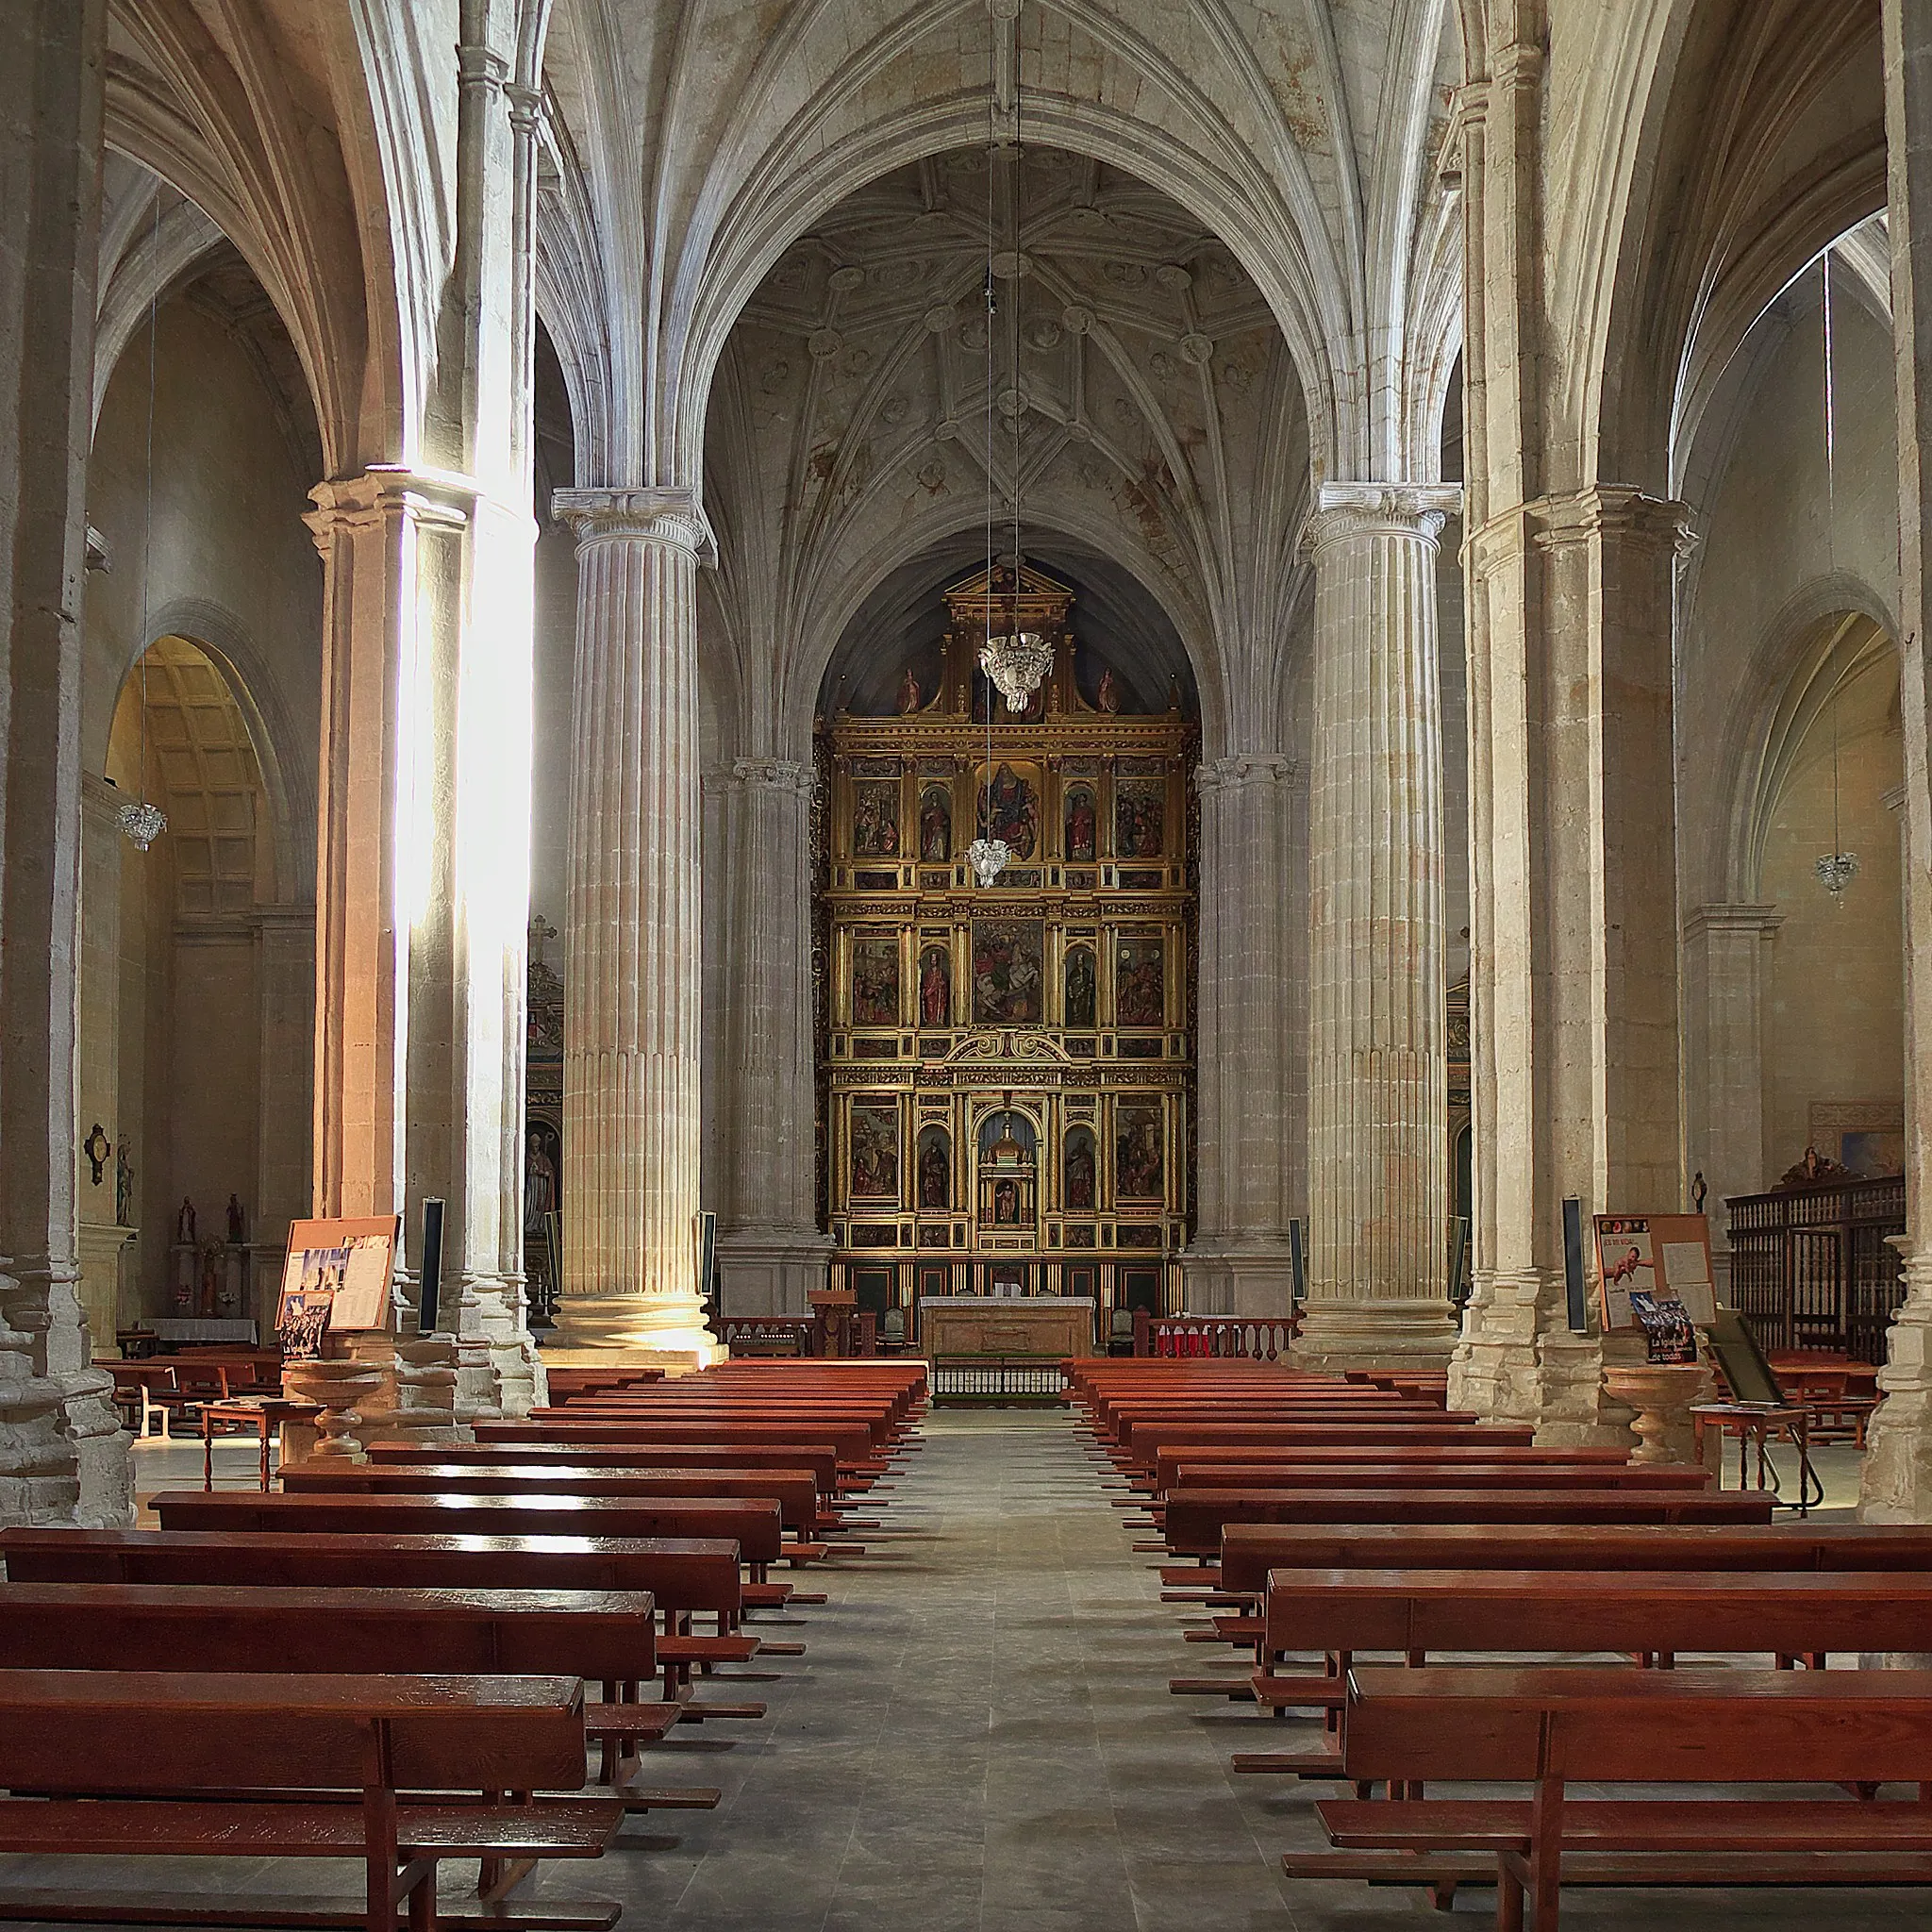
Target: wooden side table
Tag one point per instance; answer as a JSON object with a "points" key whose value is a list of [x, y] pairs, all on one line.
{"points": [[1757, 1423], [264, 1413]]}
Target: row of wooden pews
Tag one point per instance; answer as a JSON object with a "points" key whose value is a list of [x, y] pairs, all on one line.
{"points": [[449, 1651], [1457, 1606]]}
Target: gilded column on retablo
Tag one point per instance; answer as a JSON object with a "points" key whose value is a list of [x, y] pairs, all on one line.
{"points": [[1378, 1062], [632, 975]]}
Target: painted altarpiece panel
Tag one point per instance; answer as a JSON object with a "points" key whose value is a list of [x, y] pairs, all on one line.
{"points": [[875, 982], [874, 1150]]}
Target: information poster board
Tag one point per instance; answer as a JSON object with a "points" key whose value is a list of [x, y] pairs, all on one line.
{"points": [[337, 1277], [1654, 1273]]}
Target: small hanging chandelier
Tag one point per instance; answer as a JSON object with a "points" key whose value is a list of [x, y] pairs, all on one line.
{"points": [[1835, 869], [145, 822], [988, 859]]}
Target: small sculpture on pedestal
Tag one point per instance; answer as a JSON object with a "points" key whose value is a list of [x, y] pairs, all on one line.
{"points": [[123, 1186], [184, 1225], [238, 1226]]}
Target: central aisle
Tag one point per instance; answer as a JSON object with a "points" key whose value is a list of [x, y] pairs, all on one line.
{"points": [[980, 1736]]}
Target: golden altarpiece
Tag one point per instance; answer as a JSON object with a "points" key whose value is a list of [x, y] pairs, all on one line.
{"points": [[1008, 1069]]}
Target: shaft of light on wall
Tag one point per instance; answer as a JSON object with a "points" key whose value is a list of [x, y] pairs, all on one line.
{"points": [[415, 807], [494, 724]]}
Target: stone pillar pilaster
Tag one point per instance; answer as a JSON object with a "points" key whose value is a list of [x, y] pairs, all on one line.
{"points": [[769, 1250], [421, 887], [1378, 1190], [1576, 985], [285, 996], [62, 1458], [1252, 1139], [1727, 956], [1896, 1485], [98, 1050], [633, 968]]}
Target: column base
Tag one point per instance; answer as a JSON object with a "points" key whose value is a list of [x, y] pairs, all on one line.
{"points": [[1238, 1274], [1412, 1334], [631, 1331], [1895, 1482], [770, 1270]]}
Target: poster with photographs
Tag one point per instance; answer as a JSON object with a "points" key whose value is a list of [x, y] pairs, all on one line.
{"points": [[1654, 1273], [337, 1277]]}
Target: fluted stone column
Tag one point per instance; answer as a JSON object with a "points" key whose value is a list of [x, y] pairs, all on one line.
{"points": [[633, 969], [769, 1250], [1252, 1134], [1378, 1063], [1896, 1486], [1727, 956]]}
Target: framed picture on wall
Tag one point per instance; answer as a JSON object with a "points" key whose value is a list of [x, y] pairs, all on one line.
{"points": [[1866, 1135]]}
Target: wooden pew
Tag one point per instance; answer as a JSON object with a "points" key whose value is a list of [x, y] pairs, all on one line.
{"points": [[1373, 1473], [752, 1523], [871, 1432], [687, 1577], [1195, 1518], [1552, 1727], [851, 1442], [1145, 1441], [1647, 1613], [606, 1637], [794, 1490], [823, 1463], [336, 1767], [1250, 1551], [1243, 1463]]}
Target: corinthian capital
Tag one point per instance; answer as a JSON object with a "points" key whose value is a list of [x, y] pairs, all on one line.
{"points": [[1346, 510], [660, 514]]}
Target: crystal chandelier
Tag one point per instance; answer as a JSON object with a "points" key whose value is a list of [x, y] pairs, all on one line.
{"points": [[142, 823], [1016, 663], [988, 859], [1836, 870]]}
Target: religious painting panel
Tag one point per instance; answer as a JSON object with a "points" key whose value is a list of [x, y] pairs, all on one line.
{"points": [[1080, 824], [1009, 809], [875, 819], [934, 1162], [1138, 1156], [1139, 983], [934, 824], [1081, 982], [1079, 1172], [935, 987], [1009, 955], [1139, 818], [874, 1150], [875, 982]]}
